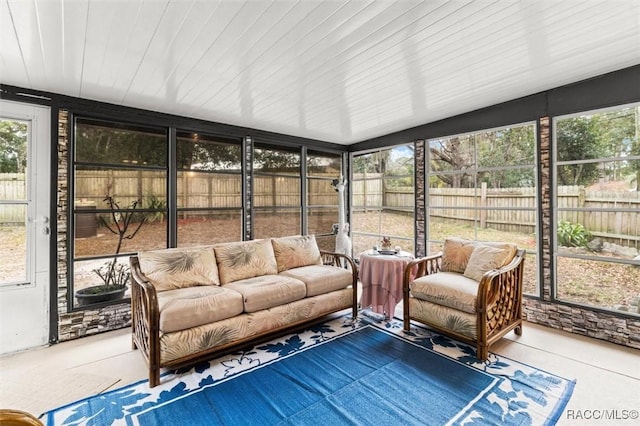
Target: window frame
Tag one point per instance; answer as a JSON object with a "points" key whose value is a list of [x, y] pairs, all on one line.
{"points": [[474, 171], [115, 123], [555, 211]]}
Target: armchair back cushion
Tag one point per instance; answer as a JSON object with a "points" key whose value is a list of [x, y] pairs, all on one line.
{"points": [[170, 269], [486, 257], [245, 259], [297, 251], [455, 254]]}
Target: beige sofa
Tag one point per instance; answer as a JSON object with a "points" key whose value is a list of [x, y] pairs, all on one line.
{"points": [[191, 304]]}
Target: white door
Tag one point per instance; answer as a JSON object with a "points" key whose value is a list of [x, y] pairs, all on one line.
{"points": [[25, 147]]}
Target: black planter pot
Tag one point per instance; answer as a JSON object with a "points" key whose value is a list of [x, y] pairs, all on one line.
{"points": [[92, 295]]}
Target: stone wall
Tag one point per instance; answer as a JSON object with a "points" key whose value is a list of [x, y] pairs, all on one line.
{"points": [[420, 203]]}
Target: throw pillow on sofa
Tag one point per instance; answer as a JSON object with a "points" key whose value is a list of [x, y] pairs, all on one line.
{"points": [[296, 251], [245, 259], [170, 269]]}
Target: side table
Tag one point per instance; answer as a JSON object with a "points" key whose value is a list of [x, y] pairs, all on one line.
{"points": [[381, 276]]}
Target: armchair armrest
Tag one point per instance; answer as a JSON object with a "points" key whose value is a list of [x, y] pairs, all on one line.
{"points": [[499, 299], [495, 281], [420, 267], [415, 269]]}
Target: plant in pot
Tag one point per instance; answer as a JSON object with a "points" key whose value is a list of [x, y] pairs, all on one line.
{"points": [[114, 276]]}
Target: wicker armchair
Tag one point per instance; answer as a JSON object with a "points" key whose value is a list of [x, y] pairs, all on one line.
{"points": [[478, 309]]}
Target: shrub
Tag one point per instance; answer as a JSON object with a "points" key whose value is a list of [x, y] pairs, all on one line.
{"points": [[573, 234], [156, 203]]}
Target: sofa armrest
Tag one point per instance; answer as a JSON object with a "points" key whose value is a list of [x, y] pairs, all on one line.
{"points": [[145, 319], [343, 261]]}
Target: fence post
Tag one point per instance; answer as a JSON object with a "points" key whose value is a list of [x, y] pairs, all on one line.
{"points": [[483, 204], [582, 197]]}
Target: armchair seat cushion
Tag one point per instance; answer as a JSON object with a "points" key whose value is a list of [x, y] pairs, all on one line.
{"points": [[447, 289], [267, 291], [321, 278], [193, 306]]}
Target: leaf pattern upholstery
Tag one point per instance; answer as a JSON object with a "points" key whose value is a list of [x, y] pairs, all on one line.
{"points": [[170, 269], [321, 278], [245, 259], [190, 307], [268, 291], [485, 258], [296, 251], [444, 317], [455, 254], [187, 342], [448, 289]]}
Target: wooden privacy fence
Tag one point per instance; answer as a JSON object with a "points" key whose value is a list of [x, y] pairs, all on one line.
{"points": [[368, 192], [506, 209], [200, 190], [12, 188]]}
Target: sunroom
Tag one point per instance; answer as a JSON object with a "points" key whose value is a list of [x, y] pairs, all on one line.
{"points": [[136, 126]]}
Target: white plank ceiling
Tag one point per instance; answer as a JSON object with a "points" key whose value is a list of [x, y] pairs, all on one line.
{"points": [[337, 71]]}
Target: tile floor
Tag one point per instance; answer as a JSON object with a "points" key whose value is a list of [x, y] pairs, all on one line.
{"points": [[608, 375]]}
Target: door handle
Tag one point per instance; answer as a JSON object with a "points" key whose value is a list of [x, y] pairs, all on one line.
{"points": [[44, 220]]}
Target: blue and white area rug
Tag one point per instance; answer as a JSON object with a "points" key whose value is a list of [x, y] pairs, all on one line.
{"points": [[339, 372]]}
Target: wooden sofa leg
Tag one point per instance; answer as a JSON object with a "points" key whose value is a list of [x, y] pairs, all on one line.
{"points": [[154, 377], [482, 352], [518, 330]]}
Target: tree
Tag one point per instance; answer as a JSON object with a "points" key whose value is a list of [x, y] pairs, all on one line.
{"points": [[578, 138], [513, 146], [612, 134], [202, 154], [375, 162], [453, 154], [271, 160], [13, 146], [118, 145]]}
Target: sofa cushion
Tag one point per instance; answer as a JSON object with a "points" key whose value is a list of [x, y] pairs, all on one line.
{"points": [[268, 291], [293, 252], [321, 279], [486, 257], [448, 289], [169, 269], [245, 259], [190, 307], [455, 254]]}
